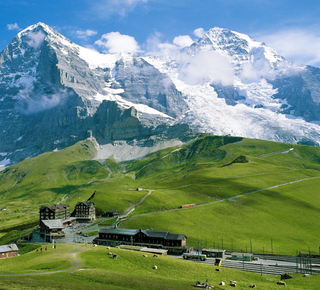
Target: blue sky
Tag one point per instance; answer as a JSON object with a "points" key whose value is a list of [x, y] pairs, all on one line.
{"points": [[289, 26]]}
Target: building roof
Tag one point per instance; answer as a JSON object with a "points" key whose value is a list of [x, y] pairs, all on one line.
{"points": [[87, 203], [154, 251], [241, 254], [8, 248], [213, 250], [56, 207], [149, 233], [53, 224], [176, 237], [118, 231], [155, 234]]}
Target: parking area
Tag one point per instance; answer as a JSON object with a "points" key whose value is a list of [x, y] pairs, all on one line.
{"points": [[73, 233]]}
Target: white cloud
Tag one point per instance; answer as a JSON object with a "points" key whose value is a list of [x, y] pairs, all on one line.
{"points": [[115, 42], [13, 26], [35, 39], [207, 66], [199, 32], [297, 45], [85, 34], [182, 40], [105, 8], [155, 45]]}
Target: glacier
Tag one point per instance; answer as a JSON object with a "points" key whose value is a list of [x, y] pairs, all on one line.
{"points": [[54, 93]]}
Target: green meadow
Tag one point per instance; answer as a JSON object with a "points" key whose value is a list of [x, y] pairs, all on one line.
{"points": [[77, 266], [248, 193]]}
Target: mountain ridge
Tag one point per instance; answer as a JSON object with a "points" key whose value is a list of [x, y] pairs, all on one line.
{"points": [[54, 93]]}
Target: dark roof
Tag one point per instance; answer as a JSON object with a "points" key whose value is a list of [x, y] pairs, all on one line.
{"points": [[155, 234], [176, 237], [56, 207], [149, 233], [87, 203], [118, 231]]}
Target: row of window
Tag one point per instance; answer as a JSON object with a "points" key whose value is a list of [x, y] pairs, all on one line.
{"points": [[140, 240]]}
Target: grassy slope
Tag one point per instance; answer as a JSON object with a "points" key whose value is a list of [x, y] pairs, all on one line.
{"points": [[284, 217], [130, 271], [196, 173], [67, 176]]}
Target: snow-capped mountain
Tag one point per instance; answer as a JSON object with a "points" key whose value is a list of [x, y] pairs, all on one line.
{"points": [[54, 93], [235, 85]]}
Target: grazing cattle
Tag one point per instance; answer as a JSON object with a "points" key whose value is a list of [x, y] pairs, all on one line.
{"points": [[253, 286], [282, 283], [145, 256], [155, 256], [222, 283], [233, 283], [114, 256], [110, 253], [155, 267], [108, 248]]}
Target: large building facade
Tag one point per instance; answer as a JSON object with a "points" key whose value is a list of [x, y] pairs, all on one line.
{"points": [[85, 210], [54, 212], [174, 243]]}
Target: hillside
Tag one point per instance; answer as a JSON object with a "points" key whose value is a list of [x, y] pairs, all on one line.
{"points": [[244, 190], [84, 267]]}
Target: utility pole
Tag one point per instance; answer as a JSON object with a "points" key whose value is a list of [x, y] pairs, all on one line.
{"points": [[198, 256]]}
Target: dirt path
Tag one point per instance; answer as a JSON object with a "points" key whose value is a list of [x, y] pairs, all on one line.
{"points": [[124, 217], [75, 261]]}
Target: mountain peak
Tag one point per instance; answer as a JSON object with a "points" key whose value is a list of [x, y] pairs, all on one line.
{"points": [[237, 46], [35, 28]]}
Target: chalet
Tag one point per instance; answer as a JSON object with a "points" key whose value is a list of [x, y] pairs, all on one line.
{"points": [[174, 243], [51, 229], [53, 212], [8, 251], [85, 210]]}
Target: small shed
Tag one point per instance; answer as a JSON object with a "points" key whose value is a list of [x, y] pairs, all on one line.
{"points": [[112, 213], [242, 256], [8, 251], [214, 253]]}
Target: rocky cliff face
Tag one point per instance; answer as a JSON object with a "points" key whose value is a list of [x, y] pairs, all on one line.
{"points": [[51, 98], [54, 93], [142, 81]]}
